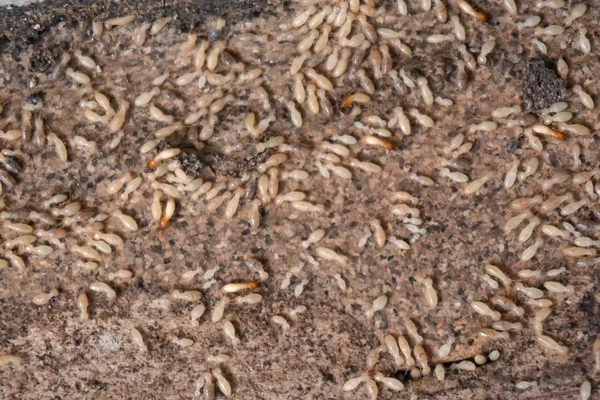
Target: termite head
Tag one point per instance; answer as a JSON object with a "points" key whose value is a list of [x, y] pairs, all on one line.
{"points": [[388, 145], [164, 223], [347, 102], [153, 163], [481, 16], [559, 135]]}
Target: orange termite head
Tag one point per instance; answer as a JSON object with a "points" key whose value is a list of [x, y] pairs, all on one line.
{"points": [[347, 102], [481, 16], [252, 284], [560, 135], [153, 163], [388, 145], [164, 223]]}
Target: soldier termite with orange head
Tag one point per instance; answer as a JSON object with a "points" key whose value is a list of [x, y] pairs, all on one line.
{"points": [[163, 155], [468, 9], [237, 287], [168, 214]]}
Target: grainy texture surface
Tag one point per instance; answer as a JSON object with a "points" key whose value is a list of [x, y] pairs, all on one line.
{"points": [[542, 86], [326, 345]]}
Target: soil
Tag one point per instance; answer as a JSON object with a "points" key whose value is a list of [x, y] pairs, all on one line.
{"points": [[66, 358]]}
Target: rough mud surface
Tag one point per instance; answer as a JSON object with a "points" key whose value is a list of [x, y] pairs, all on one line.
{"points": [[541, 86], [66, 358]]}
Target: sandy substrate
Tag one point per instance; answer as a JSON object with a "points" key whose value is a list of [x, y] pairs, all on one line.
{"points": [[67, 358]]}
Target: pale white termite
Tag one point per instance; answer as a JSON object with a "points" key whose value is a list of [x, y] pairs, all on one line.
{"points": [[127, 221], [484, 309], [556, 287], [525, 202], [411, 328], [524, 385], [320, 80], [562, 68], [551, 30], [486, 49], [119, 21], [554, 202], [485, 126], [59, 146], [550, 344], [229, 331], [555, 272], [515, 221], [584, 97], [117, 184], [82, 305], [425, 91], [222, 382], [574, 206], [78, 77], [511, 175], [189, 295], [118, 119], [464, 366], [584, 42], [279, 320], [138, 340], [44, 298], [458, 177], [422, 119], [104, 288], [131, 187], [445, 349], [314, 237], [553, 4], [510, 6], [504, 112], [312, 101], [378, 304], [406, 351], [353, 383], [575, 129], [219, 309], [430, 293], [104, 103], [86, 252], [526, 233], [577, 12], [478, 183], [421, 359], [197, 313], [533, 140], [329, 254], [252, 298], [438, 38], [459, 29], [585, 390], [553, 231], [531, 292]]}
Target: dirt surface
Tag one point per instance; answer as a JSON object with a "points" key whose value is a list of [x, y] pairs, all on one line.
{"points": [[30, 27], [66, 358]]}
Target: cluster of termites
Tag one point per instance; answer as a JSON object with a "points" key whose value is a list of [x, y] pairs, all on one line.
{"points": [[61, 225], [334, 43]]}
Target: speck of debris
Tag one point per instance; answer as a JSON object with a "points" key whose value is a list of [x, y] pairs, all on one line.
{"points": [[541, 86]]}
